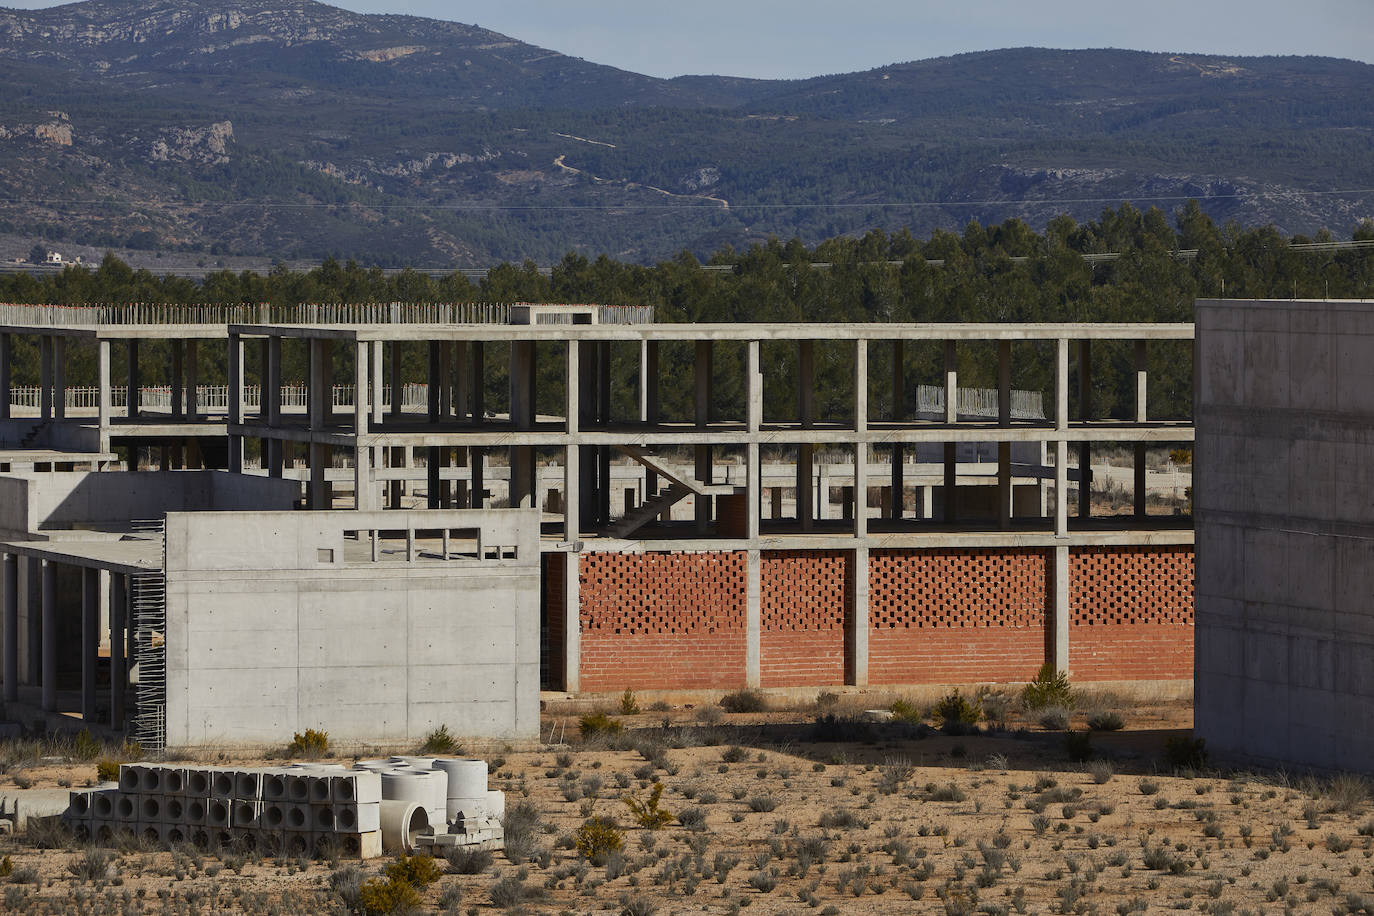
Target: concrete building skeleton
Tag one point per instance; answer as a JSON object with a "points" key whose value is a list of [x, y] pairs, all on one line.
{"points": [[965, 572]]}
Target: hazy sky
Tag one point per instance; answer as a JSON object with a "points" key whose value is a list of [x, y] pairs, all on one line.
{"points": [[771, 38]]}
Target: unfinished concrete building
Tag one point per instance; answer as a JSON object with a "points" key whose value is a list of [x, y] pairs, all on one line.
{"points": [[746, 528]]}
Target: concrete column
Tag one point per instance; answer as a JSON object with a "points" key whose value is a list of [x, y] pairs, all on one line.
{"points": [[644, 380], [6, 373], [102, 381], [321, 385], [1061, 488], [1061, 608], [951, 417], [479, 461], [462, 380], [318, 490], [478, 386], [364, 489], [433, 378], [49, 636], [374, 387], [753, 620], [33, 620], [1004, 489], [1085, 408], [192, 378], [90, 640], [860, 431], [119, 669], [753, 471], [59, 377], [397, 388], [434, 479], [1142, 415], [857, 637], [522, 407], [572, 455], [1061, 384], [134, 380], [178, 392], [703, 373], [271, 383], [10, 589], [572, 623], [651, 410], [445, 379], [899, 414], [45, 377], [235, 402]]}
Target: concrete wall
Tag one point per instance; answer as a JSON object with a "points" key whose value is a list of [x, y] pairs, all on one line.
{"points": [[1284, 504], [277, 622], [65, 499]]}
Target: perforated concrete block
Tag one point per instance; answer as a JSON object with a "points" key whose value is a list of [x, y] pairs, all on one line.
{"points": [[80, 806], [273, 815], [173, 781], [322, 817], [130, 777], [126, 808], [274, 785], [246, 813], [296, 843], [298, 788], [270, 842], [103, 803], [222, 783], [197, 783], [321, 789], [365, 787], [218, 813], [359, 845], [298, 817], [357, 818], [195, 811], [177, 834], [173, 809], [248, 784]]}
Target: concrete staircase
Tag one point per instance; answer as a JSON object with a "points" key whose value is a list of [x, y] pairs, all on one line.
{"points": [[650, 509], [682, 483]]}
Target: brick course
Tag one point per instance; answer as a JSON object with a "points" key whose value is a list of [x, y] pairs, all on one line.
{"points": [[956, 616], [663, 620], [1131, 613], [804, 608]]}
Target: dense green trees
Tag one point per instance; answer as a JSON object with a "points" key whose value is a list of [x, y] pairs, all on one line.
{"points": [[997, 273]]}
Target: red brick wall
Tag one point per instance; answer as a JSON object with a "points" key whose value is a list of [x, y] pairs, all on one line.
{"points": [[662, 620], [956, 616], [1131, 613], [803, 608]]}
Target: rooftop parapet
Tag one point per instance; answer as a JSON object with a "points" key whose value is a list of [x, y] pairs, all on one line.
{"points": [[83, 316]]}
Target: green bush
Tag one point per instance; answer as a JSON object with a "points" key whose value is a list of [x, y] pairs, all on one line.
{"points": [[744, 701], [906, 711], [628, 706], [107, 770], [440, 741], [598, 723], [381, 896], [84, 747], [310, 743], [956, 712], [1050, 688], [1106, 722], [598, 838]]}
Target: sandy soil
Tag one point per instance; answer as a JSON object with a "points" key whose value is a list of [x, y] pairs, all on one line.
{"points": [[894, 819]]}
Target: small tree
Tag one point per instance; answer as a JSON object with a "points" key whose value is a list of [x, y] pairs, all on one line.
{"points": [[38, 254]]}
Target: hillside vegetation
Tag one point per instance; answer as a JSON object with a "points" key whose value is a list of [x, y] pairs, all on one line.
{"points": [[291, 129]]}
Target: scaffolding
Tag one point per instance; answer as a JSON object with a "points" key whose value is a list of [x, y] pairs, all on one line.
{"points": [[148, 606]]}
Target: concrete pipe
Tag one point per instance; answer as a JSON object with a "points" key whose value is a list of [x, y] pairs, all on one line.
{"points": [[406, 785], [466, 778], [402, 824], [419, 763]]}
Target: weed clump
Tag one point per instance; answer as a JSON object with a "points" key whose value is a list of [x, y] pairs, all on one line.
{"points": [[743, 701], [1184, 753], [957, 713], [598, 838], [440, 741], [598, 723], [647, 813], [628, 705], [1106, 722]]}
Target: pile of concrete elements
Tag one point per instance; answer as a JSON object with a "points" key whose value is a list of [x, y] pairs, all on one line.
{"points": [[401, 804]]}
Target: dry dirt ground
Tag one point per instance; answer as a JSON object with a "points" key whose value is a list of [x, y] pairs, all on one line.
{"points": [[774, 815]]}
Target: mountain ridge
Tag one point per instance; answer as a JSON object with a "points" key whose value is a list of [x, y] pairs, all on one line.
{"points": [[296, 129]]}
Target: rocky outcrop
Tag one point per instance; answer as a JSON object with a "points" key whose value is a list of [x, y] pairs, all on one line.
{"points": [[203, 145]]}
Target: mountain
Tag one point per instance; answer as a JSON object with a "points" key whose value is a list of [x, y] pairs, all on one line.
{"points": [[291, 129]]}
